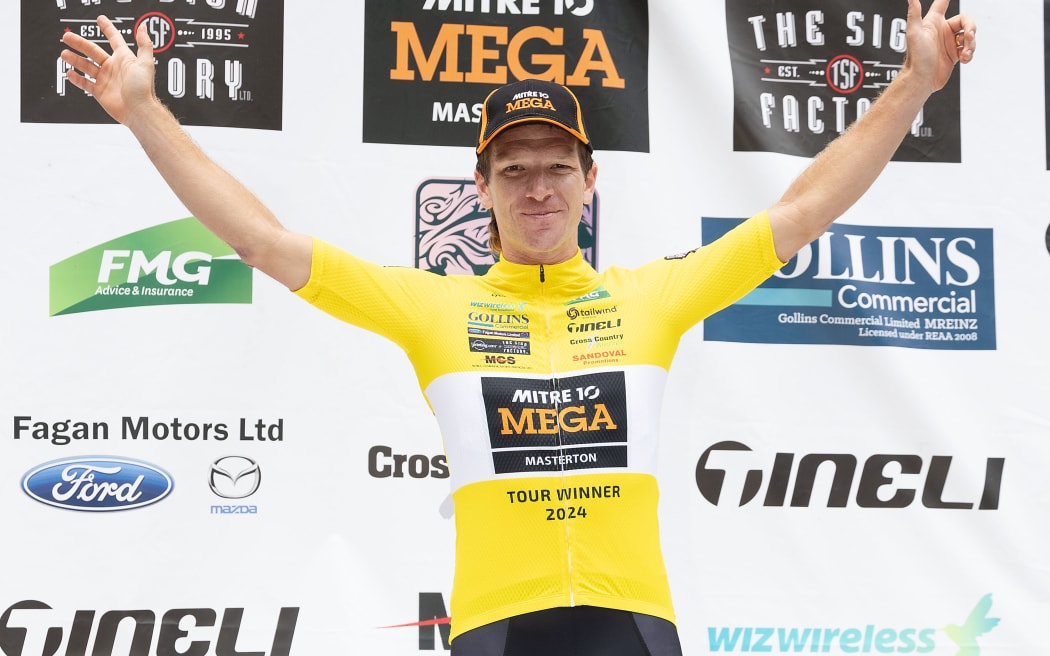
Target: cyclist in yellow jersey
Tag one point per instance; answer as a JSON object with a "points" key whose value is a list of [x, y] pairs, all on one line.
{"points": [[545, 376]]}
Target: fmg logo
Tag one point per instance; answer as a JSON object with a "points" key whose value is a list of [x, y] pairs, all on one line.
{"points": [[175, 263]]}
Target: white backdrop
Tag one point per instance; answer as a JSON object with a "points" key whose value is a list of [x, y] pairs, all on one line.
{"points": [[353, 552]]}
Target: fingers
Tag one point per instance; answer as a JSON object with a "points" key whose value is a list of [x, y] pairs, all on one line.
{"points": [[79, 81], [81, 63], [112, 34], [94, 51], [87, 48], [914, 12], [144, 43], [965, 36], [938, 7]]}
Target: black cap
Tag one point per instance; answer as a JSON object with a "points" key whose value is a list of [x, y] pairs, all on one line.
{"points": [[528, 101]]}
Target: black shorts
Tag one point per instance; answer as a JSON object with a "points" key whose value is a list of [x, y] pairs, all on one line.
{"points": [[576, 631]]}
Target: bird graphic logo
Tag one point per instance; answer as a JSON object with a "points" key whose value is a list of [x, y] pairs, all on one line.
{"points": [[977, 624]]}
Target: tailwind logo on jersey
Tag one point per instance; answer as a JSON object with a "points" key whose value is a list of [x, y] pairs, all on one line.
{"points": [[803, 71], [452, 229], [175, 263], [866, 639], [929, 288]]}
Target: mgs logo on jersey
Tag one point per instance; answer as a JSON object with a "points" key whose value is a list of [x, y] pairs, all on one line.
{"points": [[803, 71], [452, 229], [556, 424], [175, 263], [929, 288], [429, 65], [218, 63]]}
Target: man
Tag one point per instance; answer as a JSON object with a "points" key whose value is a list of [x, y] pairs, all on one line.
{"points": [[552, 454]]}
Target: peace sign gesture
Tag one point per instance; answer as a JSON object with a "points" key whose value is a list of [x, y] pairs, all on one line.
{"points": [[936, 43]]}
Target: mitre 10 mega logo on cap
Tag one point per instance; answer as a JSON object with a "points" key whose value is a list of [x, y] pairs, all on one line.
{"points": [[430, 66], [530, 101]]}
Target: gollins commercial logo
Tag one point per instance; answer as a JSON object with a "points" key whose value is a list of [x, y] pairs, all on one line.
{"points": [[175, 263], [911, 287]]}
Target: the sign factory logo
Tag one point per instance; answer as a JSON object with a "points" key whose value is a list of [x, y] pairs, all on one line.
{"points": [[218, 63], [803, 71], [929, 288], [452, 229], [430, 64], [175, 263]]}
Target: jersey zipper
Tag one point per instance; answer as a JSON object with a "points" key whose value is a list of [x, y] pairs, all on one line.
{"points": [[561, 440]]}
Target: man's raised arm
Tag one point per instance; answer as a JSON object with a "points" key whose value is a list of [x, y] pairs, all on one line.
{"points": [[849, 165], [123, 84]]}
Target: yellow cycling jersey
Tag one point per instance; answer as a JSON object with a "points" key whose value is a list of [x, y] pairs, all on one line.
{"points": [[546, 382]]}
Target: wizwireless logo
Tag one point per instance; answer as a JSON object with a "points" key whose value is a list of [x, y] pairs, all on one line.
{"points": [[869, 639], [175, 263]]}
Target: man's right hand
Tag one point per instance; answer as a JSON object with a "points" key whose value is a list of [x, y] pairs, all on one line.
{"points": [[121, 82]]}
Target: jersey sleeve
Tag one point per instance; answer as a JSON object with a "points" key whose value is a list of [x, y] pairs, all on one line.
{"points": [[690, 287], [391, 301]]}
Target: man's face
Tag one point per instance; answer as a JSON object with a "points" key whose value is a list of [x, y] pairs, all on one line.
{"points": [[537, 191]]}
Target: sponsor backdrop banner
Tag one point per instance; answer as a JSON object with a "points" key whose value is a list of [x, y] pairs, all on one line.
{"points": [[194, 461]]}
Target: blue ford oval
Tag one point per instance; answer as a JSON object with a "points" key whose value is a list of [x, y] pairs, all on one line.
{"points": [[97, 483]]}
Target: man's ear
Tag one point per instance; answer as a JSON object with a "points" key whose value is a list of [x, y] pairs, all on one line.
{"points": [[483, 190], [589, 183]]}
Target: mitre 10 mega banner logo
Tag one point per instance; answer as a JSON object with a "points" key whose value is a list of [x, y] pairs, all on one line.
{"points": [[804, 70], [219, 62], [429, 65]]}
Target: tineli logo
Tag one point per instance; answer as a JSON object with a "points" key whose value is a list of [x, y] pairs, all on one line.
{"points": [[871, 484], [175, 263]]}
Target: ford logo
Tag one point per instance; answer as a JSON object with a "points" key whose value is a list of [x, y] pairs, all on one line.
{"points": [[97, 483]]}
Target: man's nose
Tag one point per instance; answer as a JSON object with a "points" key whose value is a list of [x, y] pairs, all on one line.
{"points": [[540, 187]]}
